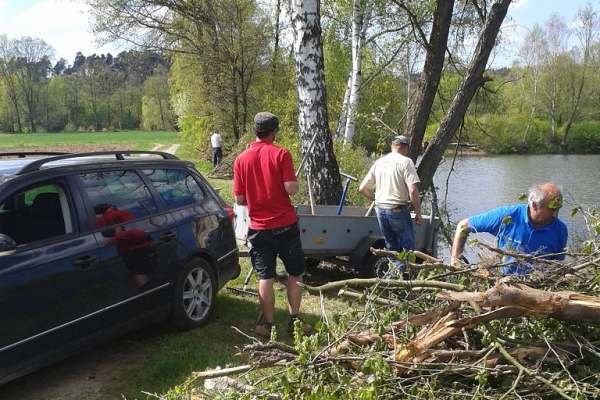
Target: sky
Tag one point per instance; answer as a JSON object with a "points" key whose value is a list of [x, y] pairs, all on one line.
{"points": [[64, 25], [524, 14]]}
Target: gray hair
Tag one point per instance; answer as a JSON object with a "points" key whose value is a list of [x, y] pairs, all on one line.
{"points": [[538, 194]]}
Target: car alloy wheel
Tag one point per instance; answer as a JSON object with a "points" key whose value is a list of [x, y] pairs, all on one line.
{"points": [[194, 295], [198, 293]]}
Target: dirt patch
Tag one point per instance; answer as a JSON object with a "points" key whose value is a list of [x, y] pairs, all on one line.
{"points": [[82, 377]]}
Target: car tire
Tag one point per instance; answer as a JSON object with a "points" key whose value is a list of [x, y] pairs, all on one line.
{"points": [[194, 296]]}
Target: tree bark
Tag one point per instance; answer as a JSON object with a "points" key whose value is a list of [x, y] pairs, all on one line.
{"points": [[518, 300], [473, 80], [313, 120], [419, 109], [360, 20]]}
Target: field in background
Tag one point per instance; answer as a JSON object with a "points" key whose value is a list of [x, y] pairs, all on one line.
{"points": [[135, 139]]}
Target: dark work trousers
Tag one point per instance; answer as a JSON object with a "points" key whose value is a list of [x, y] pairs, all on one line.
{"points": [[217, 155]]}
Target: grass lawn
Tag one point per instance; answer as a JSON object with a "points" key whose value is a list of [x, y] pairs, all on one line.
{"points": [[173, 356]]}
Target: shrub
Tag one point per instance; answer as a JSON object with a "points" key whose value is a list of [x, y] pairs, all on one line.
{"points": [[584, 138]]}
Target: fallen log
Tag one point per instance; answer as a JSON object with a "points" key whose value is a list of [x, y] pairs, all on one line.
{"points": [[361, 283], [525, 355], [524, 300], [426, 318], [426, 338]]}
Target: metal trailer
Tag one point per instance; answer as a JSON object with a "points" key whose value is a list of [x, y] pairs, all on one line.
{"points": [[344, 236]]}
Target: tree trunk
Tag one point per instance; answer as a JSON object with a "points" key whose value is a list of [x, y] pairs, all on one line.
{"points": [[473, 80], [554, 124], [359, 22], [321, 163], [516, 299], [532, 112], [586, 32], [418, 112], [340, 130], [276, 34]]}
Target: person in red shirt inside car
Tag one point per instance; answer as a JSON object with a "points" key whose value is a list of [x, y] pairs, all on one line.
{"points": [[264, 179]]}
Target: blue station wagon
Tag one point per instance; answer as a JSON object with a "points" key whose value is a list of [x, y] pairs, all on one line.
{"points": [[95, 245]]}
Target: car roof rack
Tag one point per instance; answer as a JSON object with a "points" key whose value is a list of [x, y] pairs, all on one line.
{"points": [[119, 155]]}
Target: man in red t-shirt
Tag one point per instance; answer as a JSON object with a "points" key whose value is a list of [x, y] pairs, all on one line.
{"points": [[264, 179]]}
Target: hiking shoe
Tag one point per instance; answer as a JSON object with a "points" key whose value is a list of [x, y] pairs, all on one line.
{"points": [[263, 330], [307, 328]]}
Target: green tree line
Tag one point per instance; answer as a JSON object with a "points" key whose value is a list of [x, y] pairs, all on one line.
{"points": [[210, 66], [94, 93]]}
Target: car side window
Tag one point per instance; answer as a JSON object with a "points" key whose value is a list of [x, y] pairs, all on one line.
{"points": [[177, 187], [119, 190], [36, 213]]}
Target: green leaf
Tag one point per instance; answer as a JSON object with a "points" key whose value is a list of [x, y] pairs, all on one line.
{"points": [[555, 203]]}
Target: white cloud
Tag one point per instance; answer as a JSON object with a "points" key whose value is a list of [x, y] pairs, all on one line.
{"points": [[63, 24]]}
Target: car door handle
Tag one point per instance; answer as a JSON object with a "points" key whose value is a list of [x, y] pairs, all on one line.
{"points": [[84, 262], [167, 237]]}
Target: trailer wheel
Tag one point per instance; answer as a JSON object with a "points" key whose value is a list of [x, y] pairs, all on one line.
{"points": [[311, 263], [376, 267]]}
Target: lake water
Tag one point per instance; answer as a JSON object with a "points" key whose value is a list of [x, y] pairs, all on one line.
{"points": [[479, 183]]}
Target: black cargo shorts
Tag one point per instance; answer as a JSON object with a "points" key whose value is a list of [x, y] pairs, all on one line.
{"points": [[267, 245]]}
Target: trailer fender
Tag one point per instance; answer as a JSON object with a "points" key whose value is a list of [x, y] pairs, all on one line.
{"points": [[363, 260]]}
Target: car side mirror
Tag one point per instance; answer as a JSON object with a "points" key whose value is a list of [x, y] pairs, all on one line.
{"points": [[7, 245]]}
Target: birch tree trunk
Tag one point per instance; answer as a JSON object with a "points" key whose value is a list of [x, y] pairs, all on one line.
{"points": [[340, 129], [557, 36], [359, 22], [533, 52], [313, 120], [587, 33], [473, 80], [532, 111]]}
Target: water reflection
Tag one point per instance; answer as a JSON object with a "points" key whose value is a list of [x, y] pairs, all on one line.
{"points": [[479, 183]]}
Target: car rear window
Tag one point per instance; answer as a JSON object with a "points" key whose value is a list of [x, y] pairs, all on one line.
{"points": [[122, 190], [177, 187]]}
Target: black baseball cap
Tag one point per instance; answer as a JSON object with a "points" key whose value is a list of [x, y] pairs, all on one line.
{"points": [[401, 139], [265, 122]]}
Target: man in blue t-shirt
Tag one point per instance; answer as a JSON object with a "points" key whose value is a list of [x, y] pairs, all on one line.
{"points": [[532, 228]]}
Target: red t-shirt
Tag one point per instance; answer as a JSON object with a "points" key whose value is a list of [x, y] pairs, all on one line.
{"points": [[259, 174], [113, 216]]}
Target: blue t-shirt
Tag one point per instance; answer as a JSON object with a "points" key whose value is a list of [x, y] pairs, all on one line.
{"points": [[514, 231]]}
